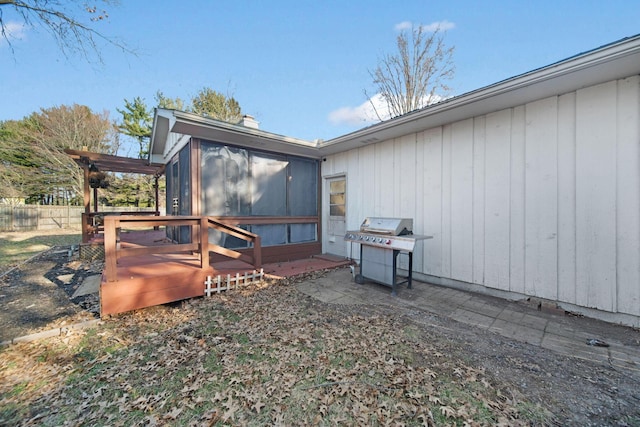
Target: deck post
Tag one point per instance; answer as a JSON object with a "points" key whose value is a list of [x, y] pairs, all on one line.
{"points": [[257, 252], [204, 242], [157, 207], [85, 227], [86, 191], [110, 242]]}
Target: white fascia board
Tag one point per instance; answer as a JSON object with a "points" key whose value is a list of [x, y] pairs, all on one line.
{"points": [[163, 121]]}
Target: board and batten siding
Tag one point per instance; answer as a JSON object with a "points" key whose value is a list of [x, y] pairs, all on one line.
{"points": [[542, 199]]}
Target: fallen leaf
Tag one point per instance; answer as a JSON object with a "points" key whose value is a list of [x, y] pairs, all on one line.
{"points": [[447, 411], [173, 414]]}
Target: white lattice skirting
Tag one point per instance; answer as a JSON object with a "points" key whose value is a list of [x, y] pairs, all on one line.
{"points": [[228, 282]]}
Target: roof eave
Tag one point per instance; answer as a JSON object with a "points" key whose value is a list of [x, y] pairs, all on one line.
{"points": [[218, 131]]}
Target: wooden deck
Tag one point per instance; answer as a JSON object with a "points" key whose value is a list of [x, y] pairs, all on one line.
{"points": [[148, 279], [283, 269]]}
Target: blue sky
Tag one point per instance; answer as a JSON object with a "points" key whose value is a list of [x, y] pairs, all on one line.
{"points": [[299, 67]]}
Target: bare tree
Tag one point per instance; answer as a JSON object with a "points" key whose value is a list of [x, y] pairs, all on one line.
{"points": [[71, 23], [415, 76], [33, 150], [75, 127]]}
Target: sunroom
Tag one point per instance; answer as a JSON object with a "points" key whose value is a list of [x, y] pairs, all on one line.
{"points": [[265, 183]]}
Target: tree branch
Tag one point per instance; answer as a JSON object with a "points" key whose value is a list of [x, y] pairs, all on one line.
{"points": [[70, 33], [411, 78]]}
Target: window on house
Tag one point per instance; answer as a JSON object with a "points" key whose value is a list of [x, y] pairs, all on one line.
{"points": [[337, 191]]}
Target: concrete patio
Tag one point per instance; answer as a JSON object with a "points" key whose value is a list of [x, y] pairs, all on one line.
{"points": [[546, 327]]}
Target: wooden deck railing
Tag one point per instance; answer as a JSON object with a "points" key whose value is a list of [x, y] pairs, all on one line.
{"points": [[200, 240], [93, 223], [240, 233]]}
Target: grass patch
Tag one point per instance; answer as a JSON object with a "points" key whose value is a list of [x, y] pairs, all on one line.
{"points": [[17, 247], [536, 414]]}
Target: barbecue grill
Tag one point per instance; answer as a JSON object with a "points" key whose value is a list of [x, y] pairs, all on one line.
{"points": [[381, 241]]}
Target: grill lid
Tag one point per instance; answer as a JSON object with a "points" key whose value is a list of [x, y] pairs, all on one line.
{"points": [[389, 226]]}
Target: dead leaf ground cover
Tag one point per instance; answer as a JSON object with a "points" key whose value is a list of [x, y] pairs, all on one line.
{"points": [[264, 356]]}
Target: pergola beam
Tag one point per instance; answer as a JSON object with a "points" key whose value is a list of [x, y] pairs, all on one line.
{"points": [[109, 163]]}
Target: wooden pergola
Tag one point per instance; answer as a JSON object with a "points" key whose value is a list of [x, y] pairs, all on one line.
{"points": [[94, 162]]}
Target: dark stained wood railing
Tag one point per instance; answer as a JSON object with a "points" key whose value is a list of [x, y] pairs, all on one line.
{"points": [[93, 222], [113, 250], [199, 245], [277, 253], [268, 220], [221, 225]]}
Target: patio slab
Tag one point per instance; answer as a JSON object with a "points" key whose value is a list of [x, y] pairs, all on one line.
{"points": [[565, 334]]}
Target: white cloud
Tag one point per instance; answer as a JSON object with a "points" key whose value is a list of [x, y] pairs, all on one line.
{"points": [[13, 31], [362, 114], [440, 25], [430, 28], [348, 116], [365, 113], [404, 25]]}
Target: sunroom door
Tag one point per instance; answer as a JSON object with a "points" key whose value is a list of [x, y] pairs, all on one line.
{"points": [[179, 194]]}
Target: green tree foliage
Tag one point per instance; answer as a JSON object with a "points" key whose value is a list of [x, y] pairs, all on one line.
{"points": [[33, 152], [137, 117], [136, 122], [15, 160], [12, 150], [130, 190], [215, 105], [169, 103]]}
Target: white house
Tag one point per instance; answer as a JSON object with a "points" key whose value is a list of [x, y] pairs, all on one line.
{"points": [[529, 187]]}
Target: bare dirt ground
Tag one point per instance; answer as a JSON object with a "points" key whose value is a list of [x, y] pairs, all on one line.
{"points": [[37, 295], [557, 390]]}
